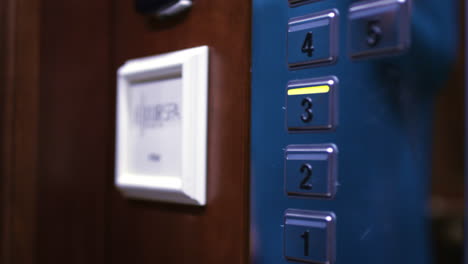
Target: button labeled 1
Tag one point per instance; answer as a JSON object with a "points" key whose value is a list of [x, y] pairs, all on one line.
{"points": [[379, 28], [310, 170], [311, 104], [312, 39], [309, 236], [294, 3]]}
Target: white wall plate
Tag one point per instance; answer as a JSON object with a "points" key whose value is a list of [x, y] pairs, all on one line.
{"points": [[161, 133]]}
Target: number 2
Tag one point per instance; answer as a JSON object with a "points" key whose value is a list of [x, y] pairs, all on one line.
{"points": [[308, 45], [306, 169]]}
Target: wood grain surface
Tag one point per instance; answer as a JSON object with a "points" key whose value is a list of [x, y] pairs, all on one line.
{"points": [[147, 232], [76, 131], [19, 95], [59, 203]]}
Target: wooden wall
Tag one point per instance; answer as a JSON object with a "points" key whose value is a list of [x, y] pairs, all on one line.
{"points": [[143, 232], [76, 131], [59, 203], [19, 123]]}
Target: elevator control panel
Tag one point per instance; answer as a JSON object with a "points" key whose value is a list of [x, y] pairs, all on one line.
{"points": [[340, 114]]}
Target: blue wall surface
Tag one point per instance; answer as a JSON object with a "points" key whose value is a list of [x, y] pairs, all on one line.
{"points": [[385, 111]]}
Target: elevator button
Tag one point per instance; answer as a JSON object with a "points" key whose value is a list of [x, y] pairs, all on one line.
{"points": [[294, 3], [309, 236], [379, 28], [311, 104], [310, 170], [312, 39]]}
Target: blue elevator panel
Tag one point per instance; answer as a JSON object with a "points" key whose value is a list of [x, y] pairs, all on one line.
{"points": [[382, 130]]}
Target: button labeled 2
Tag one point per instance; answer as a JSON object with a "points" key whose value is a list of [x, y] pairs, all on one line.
{"points": [[310, 170], [313, 39], [379, 28], [309, 236], [311, 104]]}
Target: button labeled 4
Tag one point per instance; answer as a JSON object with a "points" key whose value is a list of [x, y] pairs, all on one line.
{"points": [[312, 39]]}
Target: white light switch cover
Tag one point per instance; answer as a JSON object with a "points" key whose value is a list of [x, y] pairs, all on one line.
{"points": [[161, 133]]}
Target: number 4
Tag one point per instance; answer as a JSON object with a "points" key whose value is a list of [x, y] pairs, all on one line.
{"points": [[308, 45]]}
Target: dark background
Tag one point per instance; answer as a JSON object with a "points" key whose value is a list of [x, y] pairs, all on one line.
{"points": [[58, 61]]}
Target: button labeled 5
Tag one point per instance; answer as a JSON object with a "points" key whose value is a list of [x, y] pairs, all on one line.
{"points": [[379, 28]]}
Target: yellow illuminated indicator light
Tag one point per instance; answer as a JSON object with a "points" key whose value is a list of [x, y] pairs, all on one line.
{"points": [[310, 90]]}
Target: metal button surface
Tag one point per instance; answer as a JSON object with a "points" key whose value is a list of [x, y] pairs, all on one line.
{"points": [[311, 104], [311, 170], [294, 3], [379, 28], [312, 39], [309, 236]]}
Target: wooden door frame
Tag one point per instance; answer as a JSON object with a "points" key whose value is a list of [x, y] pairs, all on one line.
{"points": [[19, 122]]}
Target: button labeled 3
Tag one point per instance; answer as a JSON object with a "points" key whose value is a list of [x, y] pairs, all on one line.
{"points": [[310, 170], [309, 236], [312, 39], [311, 104]]}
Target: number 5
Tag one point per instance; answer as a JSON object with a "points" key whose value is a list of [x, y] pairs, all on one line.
{"points": [[374, 33]]}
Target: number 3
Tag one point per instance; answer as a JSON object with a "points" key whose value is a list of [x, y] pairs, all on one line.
{"points": [[308, 115]]}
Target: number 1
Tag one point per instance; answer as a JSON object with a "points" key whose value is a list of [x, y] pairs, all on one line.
{"points": [[305, 237]]}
